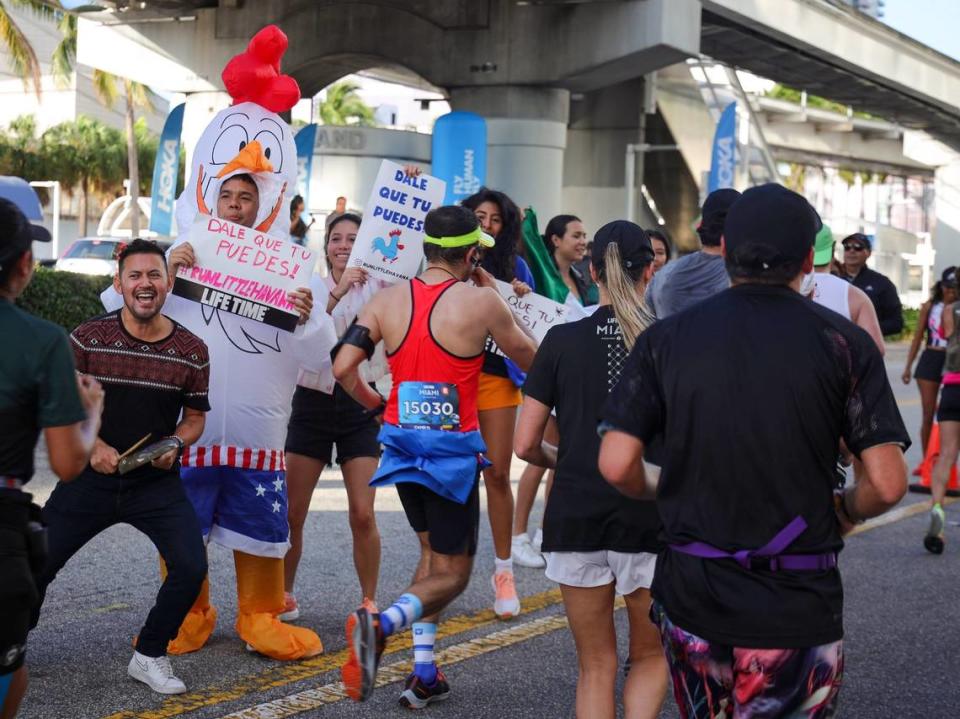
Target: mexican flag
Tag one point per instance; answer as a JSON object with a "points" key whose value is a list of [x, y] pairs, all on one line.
{"points": [[545, 273]]}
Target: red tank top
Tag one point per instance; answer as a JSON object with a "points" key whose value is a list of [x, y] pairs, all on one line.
{"points": [[420, 359]]}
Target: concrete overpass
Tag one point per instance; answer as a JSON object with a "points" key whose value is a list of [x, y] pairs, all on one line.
{"points": [[565, 86]]}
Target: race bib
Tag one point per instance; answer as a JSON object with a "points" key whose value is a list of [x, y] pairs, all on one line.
{"points": [[429, 405]]}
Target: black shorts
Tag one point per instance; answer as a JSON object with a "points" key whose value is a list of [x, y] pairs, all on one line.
{"points": [[18, 590], [949, 409], [319, 421], [452, 527], [930, 366]]}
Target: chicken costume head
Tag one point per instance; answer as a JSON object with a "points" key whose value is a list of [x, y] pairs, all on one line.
{"points": [[249, 137]]}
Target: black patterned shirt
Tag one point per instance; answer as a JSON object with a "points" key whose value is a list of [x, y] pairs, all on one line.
{"points": [[146, 384]]}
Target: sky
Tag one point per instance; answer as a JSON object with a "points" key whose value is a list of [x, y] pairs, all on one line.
{"points": [[932, 22]]}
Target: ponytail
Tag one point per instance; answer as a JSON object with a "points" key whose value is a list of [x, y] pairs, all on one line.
{"points": [[629, 309]]}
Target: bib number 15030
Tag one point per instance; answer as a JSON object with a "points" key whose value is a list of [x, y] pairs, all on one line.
{"points": [[429, 405]]}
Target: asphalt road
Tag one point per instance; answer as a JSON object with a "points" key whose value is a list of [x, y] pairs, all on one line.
{"points": [[902, 622]]}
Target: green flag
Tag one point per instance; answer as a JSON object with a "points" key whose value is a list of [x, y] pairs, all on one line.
{"points": [[545, 273]]}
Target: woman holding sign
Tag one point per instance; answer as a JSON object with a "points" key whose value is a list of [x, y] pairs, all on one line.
{"points": [[597, 542], [324, 417], [499, 396]]}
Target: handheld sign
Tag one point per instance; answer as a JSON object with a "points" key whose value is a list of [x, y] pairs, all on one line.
{"points": [[244, 272], [390, 241], [535, 312]]}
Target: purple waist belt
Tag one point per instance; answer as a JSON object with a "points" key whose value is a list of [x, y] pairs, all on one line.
{"points": [[770, 556]]}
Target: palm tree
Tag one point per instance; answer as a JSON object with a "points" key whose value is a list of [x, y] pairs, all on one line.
{"points": [[136, 95], [86, 153], [342, 104], [23, 59]]}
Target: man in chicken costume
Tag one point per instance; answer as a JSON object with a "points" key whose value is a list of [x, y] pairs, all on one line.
{"points": [[234, 474]]}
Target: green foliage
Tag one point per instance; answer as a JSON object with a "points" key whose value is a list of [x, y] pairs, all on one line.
{"points": [[910, 315], [22, 58], [88, 153], [343, 106], [21, 154], [65, 298], [782, 92]]}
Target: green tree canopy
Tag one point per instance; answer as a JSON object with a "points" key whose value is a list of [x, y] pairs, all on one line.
{"points": [[88, 154], [343, 106]]}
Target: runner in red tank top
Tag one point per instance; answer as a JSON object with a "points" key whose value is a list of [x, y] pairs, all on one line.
{"points": [[434, 329], [420, 356]]}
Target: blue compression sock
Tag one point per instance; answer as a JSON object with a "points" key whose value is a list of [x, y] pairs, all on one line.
{"points": [[401, 614], [424, 637]]}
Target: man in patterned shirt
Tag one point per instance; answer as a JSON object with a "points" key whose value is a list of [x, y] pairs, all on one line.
{"points": [[152, 370]]}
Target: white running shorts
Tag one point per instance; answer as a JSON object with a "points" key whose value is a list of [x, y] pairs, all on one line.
{"points": [[630, 570]]}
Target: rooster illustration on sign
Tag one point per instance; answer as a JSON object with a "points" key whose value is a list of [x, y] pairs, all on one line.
{"points": [[390, 249]]}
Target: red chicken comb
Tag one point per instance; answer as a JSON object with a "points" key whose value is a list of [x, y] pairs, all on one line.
{"points": [[254, 75]]}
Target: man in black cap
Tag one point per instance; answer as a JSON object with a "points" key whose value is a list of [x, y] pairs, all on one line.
{"points": [[693, 278], [857, 249], [39, 389], [752, 393]]}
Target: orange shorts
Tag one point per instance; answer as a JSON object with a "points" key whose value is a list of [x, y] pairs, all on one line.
{"points": [[497, 392]]}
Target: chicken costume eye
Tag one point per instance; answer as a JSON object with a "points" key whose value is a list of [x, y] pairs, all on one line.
{"points": [[233, 139], [272, 148]]}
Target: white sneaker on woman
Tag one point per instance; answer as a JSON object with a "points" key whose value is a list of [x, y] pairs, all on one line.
{"points": [[523, 553]]}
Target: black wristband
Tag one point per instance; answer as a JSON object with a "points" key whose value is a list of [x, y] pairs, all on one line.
{"points": [[376, 411], [179, 442]]}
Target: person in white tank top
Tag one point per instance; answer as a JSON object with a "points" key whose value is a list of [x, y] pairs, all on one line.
{"points": [[837, 294]]}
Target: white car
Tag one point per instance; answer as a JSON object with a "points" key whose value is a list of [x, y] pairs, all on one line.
{"points": [[94, 255]]}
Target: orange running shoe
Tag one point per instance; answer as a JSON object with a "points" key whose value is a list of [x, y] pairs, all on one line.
{"points": [[507, 604], [366, 642]]}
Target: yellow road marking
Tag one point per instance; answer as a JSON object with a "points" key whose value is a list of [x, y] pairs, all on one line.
{"points": [[333, 692], [111, 608], [307, 669]]}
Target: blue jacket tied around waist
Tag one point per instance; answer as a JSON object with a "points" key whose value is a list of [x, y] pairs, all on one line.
{"points": [[446, 463]]}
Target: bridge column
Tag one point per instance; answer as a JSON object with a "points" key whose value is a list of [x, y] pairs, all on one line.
{"points": [[526, 138]]}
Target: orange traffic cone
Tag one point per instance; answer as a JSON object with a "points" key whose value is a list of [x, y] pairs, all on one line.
{"points": [[926, 467]]}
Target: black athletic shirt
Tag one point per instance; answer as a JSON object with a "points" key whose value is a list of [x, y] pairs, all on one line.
{"points": [[575, 368], [753, 390]]}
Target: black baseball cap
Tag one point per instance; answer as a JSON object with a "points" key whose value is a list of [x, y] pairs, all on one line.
{"points": [[859, 237], [774, 218], [631, 239], [949, 277], [717, 203], [17, 233]]}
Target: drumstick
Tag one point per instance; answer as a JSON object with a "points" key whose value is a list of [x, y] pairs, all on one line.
{"points": [[137, 446]]}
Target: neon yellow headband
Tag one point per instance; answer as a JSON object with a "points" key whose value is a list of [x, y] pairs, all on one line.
{"points": [[471, 238]]}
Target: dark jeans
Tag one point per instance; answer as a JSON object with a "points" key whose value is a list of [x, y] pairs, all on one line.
{"points": [[78, 511]]}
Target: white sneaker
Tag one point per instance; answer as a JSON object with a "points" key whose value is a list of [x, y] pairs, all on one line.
{"points": [[524, 554], [156, 673]]}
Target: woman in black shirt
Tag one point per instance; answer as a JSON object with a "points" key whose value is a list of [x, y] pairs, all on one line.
{"points": [[597, 542]]}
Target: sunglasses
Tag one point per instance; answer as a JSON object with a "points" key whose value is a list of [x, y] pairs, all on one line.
{"points": [[854, 248]]}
